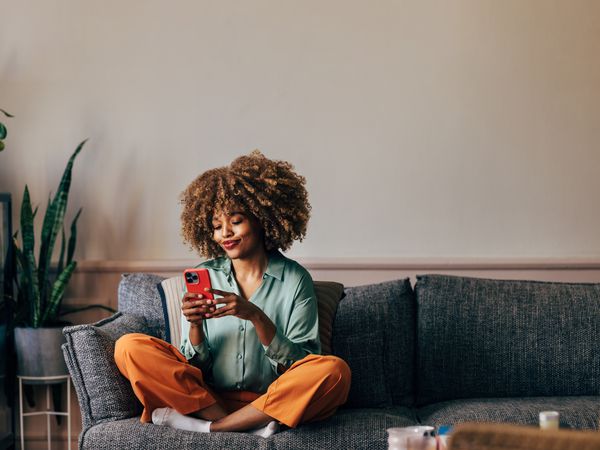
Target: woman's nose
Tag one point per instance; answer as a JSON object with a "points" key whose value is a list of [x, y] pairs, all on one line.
{"points": [[227, 230]]}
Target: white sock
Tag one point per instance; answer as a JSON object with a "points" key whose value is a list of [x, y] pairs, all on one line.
{"points": [[268, 430], [173, 419]]}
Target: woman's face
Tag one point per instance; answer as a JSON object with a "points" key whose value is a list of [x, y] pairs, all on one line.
{"points": [[240, 235]]}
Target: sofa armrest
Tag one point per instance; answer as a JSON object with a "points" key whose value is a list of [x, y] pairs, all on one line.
{"points": [[104, 394]]}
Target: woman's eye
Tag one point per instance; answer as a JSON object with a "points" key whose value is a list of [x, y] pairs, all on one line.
{"points": [[216, 227], [237, 223]]}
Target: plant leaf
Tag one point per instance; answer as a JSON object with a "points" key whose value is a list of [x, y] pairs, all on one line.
{"points": [[1, 146], [53, 220], [28, 266], [6, 113], [61, 258], [27, 235], [24, 311], [58, 290], [10, 274], [3, 131], [73, 237]]}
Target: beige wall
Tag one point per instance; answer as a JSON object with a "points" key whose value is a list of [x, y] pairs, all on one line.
{"points": [[436, 136], [425, 128]]}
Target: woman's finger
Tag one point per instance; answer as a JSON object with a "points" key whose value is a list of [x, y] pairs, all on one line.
{"points": [[219, 292], [196, 303], [222, 311], [191, 296], [197, 310]]}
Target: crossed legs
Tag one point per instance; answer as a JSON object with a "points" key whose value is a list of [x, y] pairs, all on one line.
{"points": [[311, 389]]}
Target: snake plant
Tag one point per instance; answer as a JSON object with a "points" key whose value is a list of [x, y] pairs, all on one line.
{"points": [[40, 288]]}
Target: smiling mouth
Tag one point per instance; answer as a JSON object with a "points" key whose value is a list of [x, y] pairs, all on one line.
{"points": [[230, 244]]}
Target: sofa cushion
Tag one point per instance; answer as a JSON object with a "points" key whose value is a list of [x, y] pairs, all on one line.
{"points": [[131, 434], [374, 332], [103, 393], [575, 412], [329, 294], [138, 296], [500, 338], [347, 429]]}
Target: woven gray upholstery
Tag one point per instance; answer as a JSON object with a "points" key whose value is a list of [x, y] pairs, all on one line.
{"points": [[131, 434], [373, 332], [497, 338], [139, 296], [103, 393], [345, 430], [575, 412]]}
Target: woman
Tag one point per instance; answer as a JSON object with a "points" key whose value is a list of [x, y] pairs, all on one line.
{"points": [[251, 360]]}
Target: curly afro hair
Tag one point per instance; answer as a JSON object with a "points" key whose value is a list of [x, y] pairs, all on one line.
{"points": [[270, 191]]}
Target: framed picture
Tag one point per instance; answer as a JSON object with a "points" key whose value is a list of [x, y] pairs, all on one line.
{"points": [[5, 232]]}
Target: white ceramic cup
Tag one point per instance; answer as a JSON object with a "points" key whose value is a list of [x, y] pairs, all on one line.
{"points": [[398, 437]]}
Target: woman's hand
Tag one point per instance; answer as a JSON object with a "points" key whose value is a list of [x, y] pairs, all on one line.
{"points": [[240, 307], [234, 306], [195, 307]]}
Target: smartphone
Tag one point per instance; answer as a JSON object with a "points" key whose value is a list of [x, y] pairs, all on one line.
{"points": [[196, 280]]}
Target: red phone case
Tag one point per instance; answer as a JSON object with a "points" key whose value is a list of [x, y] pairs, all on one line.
{"points": [[196, 280]]}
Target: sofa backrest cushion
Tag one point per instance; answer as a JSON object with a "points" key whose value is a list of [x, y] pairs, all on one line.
{"points": [[103, 393], [374, 332], [139, 296], [501, 338]]}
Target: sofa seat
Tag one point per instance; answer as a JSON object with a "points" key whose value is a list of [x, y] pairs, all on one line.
{"points": [[575, 412], [131, 434], [350, 428], [356, 428]]}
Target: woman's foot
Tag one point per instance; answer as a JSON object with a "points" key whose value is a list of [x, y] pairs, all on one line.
{"points": [[268, 430], [171, 418], [174, 419]]}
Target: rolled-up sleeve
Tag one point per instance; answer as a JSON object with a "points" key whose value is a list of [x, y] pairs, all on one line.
{"points": [[301, 335], [197, 355]]}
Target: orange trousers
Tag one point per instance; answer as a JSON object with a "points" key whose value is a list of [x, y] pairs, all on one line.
{"points": [[310, 390]]}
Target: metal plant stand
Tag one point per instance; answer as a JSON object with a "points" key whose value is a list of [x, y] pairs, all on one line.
{"points": [[47, 381]]}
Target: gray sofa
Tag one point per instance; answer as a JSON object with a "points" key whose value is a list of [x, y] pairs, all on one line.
{"points": [[452, 349]]}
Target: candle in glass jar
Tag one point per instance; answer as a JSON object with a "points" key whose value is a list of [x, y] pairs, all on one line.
{"points": [[549, 420]]}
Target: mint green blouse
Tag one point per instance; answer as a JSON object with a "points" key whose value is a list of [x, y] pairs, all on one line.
{"points": [[231, 356]]}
